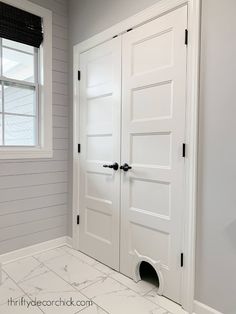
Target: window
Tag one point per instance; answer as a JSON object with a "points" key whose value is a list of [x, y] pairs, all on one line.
{"points": [[19, 106], [25, 81]]}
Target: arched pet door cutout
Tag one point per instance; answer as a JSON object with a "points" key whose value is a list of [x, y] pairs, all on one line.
{"points": [[148, 273], [144, 268]]}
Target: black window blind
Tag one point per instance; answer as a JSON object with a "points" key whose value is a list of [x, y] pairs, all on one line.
{"points": [[20, 26]]}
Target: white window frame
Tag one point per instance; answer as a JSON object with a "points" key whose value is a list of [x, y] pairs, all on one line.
{"points": [[45, 147]]}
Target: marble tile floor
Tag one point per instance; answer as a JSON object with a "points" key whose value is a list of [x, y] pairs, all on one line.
{"points": [[63, 274]]}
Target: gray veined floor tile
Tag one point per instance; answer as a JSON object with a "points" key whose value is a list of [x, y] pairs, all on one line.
{"points": [[19, 308], [141, 287], [66, 273], [164, 302], [50, 255], [9, 289], [74, 271], [24, 269], [104, 269], [89, 260], [82, 257], [50, 287], [115, 298], [94, 309]]}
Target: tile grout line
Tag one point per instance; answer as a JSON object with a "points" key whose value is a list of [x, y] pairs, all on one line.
{"points": [[71, 285], [144, 296], [25, 293], [65, 252], [109, 275]]}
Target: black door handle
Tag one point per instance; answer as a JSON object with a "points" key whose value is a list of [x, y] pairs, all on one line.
{"points": [[115, 166], [125, 167]]}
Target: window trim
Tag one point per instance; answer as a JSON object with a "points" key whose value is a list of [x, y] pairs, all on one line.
{"points": [[44, 149]]}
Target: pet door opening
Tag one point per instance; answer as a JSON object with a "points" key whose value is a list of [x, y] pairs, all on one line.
{"points": [[148, 274]]}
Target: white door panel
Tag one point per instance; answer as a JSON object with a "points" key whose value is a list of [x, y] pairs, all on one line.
{"points": [[153, 131], [100, 107]]}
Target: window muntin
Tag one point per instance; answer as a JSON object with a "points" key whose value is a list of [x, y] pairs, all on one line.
{"points": [[19, 106]]}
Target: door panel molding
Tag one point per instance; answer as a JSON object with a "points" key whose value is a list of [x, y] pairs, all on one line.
{"points": [[146, 15], [100, 108], [154, 53]]}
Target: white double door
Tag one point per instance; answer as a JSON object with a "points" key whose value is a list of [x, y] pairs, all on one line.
{"points": [[132, 110]]}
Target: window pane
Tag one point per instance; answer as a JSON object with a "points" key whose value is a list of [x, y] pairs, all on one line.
{"points": [[19, 131], [18, 99], [18, 46], [1, 129], [18, 65]]}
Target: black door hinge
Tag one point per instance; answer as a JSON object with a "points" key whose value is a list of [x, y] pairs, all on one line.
{"points": [[79, 148], [79, 75], [184, 150], [78, 220], [182, 260], [186, 37]]}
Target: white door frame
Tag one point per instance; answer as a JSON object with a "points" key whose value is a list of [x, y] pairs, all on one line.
{"points": [[161, 7]]}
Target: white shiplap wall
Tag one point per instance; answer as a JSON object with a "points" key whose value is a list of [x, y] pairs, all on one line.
{"points": [[34, 193]]}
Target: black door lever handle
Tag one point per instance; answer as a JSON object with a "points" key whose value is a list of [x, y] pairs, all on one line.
{"points": [[115, 166], [125, 167]]}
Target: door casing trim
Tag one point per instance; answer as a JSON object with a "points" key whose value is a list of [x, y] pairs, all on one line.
{"points": [[192, 100]]}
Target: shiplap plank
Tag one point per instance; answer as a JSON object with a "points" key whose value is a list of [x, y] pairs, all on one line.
{"points": [[58, 54], [60, 77], [60, 121], [60, 143], [7, 182], [60, 133], [59, 110], [61, 7], [60, 31], [61, 66], [60, 10], [60, 43], [60, 99], [60, 20], [60, 88], [32, 167], [36, 226], [60, 154], [34, 203], [21, 193], [32, 216], [33, 238]]}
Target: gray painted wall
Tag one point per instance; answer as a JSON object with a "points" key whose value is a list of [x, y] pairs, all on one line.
{"points": [[216, 225], [34, 193], [90, 17], [216, 238]]}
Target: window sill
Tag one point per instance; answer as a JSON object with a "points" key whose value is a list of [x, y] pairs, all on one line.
{"points": [[25, 153]]}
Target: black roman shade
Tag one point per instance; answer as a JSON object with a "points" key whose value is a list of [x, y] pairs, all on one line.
{"points": [[20, 26]]}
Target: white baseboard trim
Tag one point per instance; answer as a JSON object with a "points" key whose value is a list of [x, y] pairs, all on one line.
{"points": [[69, 241], [200, 308], [34, 249]]}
